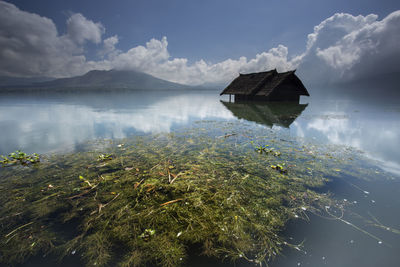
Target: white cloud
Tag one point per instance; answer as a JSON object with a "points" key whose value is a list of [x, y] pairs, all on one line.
{"points": [[63, 55], [351, 47], [342, 47], [80, 29], [109, 49], [154, 59], [31, 46]]}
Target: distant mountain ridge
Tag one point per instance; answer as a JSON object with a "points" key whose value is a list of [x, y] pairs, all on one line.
{"points": [[19, 81], [103, 80]]}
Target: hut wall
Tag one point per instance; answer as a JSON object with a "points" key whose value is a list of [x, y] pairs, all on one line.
{"points": [[242, 97], [287, 91], [289, 98], [274, 97]]}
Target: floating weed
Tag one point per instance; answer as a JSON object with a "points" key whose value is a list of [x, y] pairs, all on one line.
{"points": [[279, 168], [105, 157], [373, 221], [162, 194], [264, 149], [147, 234], [19, 157]]}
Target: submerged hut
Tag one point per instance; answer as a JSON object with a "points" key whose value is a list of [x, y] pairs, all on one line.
{"points": [[266, 86]]}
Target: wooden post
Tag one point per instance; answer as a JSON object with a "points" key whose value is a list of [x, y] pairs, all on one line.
{"points": [[229, 98]]}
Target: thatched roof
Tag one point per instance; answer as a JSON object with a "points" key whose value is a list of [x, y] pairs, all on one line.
{"points": [[263, 83], [247, 83]]}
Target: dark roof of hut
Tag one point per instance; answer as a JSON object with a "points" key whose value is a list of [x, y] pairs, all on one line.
{"points": [[247, 83], [263, 83]]}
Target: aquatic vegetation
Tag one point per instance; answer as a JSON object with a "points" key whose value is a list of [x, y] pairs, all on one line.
{"points": [[147, 234], [19, 157], [279, 168], [161, 194], [105, 157], [265, 149]]}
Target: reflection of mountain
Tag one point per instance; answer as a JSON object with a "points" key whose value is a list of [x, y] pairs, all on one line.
{"points": [[281, 114]]}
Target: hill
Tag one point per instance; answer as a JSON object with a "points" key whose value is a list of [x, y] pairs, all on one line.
{"points": [[102, 80], [19, 81]]}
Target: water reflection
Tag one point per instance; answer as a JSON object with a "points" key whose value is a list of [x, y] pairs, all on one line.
{"points": [[43, 123], [369, 127], [269, 114], [55, 122]]}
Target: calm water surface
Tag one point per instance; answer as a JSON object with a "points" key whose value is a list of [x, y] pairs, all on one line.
{"points": [[64, 122]]}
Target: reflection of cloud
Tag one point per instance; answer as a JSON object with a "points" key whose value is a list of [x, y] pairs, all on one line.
{"points": [[299, 130], [379, 139], [48, 127], [337, 131], [391, 166]]}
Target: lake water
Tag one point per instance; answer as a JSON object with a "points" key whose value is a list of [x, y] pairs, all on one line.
{"points": [[60, 123]]}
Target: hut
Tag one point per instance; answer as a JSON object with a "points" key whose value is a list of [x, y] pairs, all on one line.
{"points": [[266, 86]]}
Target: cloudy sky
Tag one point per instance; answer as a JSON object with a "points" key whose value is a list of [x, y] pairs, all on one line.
{"points": [[197, 42]]}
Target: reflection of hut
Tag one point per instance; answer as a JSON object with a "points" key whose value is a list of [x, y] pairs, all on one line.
{"points": [[281, 114], [266, 86]]}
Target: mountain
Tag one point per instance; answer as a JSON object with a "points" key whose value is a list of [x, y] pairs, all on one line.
{"points": [[104, 80], [18, 81]]}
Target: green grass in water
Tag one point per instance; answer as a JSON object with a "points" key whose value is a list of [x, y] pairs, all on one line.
{"points": [[148, 200]]}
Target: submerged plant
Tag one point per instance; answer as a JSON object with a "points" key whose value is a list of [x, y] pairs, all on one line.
{"points": [[159, 196]]}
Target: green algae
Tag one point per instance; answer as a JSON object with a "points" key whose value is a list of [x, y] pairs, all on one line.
{"points": [[148, 199]]}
